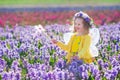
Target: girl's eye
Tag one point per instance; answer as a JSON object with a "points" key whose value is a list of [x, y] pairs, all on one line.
{"points": [[78, 24]]}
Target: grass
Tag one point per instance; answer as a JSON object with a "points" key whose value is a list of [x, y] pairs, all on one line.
{"points": [[57, 2]]}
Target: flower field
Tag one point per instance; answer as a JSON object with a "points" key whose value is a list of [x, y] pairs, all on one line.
{"points": [[26, 53], [100, 17]]}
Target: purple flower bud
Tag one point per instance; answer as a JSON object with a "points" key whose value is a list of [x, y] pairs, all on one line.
{"points": [[85, 75], [81, 68], [18, 77], [1, 52], [106, 65], [5, 76], [100, 62]]}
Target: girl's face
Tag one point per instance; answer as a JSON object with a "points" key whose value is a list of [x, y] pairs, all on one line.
{"points": [[78, 25]]}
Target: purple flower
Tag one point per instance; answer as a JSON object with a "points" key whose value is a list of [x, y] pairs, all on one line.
{"points": [[106, 65], [2, 65], [49, 75], [98, 77], [43, 67], [33, 74], [114, 62], [1, 52], [85, 75], [63, 53], [60, 75], [100, 62], [81, 68], [119, 57], [5, 76], [95, 72], [87, 19], [114, 72], [73, 66], [15, 65], [65, 75], [45, 76], [60, 63], [107, 75], [38, 73], [11, 75], [17, 76]]}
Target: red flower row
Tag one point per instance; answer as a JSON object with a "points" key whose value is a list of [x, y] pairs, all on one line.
{"points": [[100, 17]]}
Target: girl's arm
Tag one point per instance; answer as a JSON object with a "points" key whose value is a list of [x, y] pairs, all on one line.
{"points": [[63, 46], [66, 48], [86, 46]]}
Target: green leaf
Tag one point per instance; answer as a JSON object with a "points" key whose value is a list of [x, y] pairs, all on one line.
{"points": [[3, 38], [23, 54], [114, 41], [24, 72], [118, 76], [0, 77], [64, 58], [21, 63], [31, 61], [52, 61], [32, 51], [51, 52], [19, 44], [9, 61], [91, 77], [39, 45], [108, 48], [8, 45], [23, 78], [38, 61], [110, 67], [104, 78]]}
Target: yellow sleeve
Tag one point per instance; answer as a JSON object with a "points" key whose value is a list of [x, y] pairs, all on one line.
{"points": [[65, 46], [85, 47]]}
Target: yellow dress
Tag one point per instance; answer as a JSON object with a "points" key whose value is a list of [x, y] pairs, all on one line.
{"points": [[79, 44]]}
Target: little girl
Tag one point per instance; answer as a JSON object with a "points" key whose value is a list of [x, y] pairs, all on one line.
{"points": [[79, 45]]}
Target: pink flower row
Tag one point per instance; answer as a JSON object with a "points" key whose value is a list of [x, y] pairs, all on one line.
{"points": [[100, 17]]}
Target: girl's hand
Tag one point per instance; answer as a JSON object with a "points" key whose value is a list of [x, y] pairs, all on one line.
{"points": [[54, 41]]}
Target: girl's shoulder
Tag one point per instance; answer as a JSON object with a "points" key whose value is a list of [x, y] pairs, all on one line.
{"points": [[74, 34], [86, 36]]}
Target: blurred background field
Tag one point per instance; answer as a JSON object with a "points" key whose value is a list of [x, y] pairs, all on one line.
{"points": [[58, 2], [33, 12]]}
